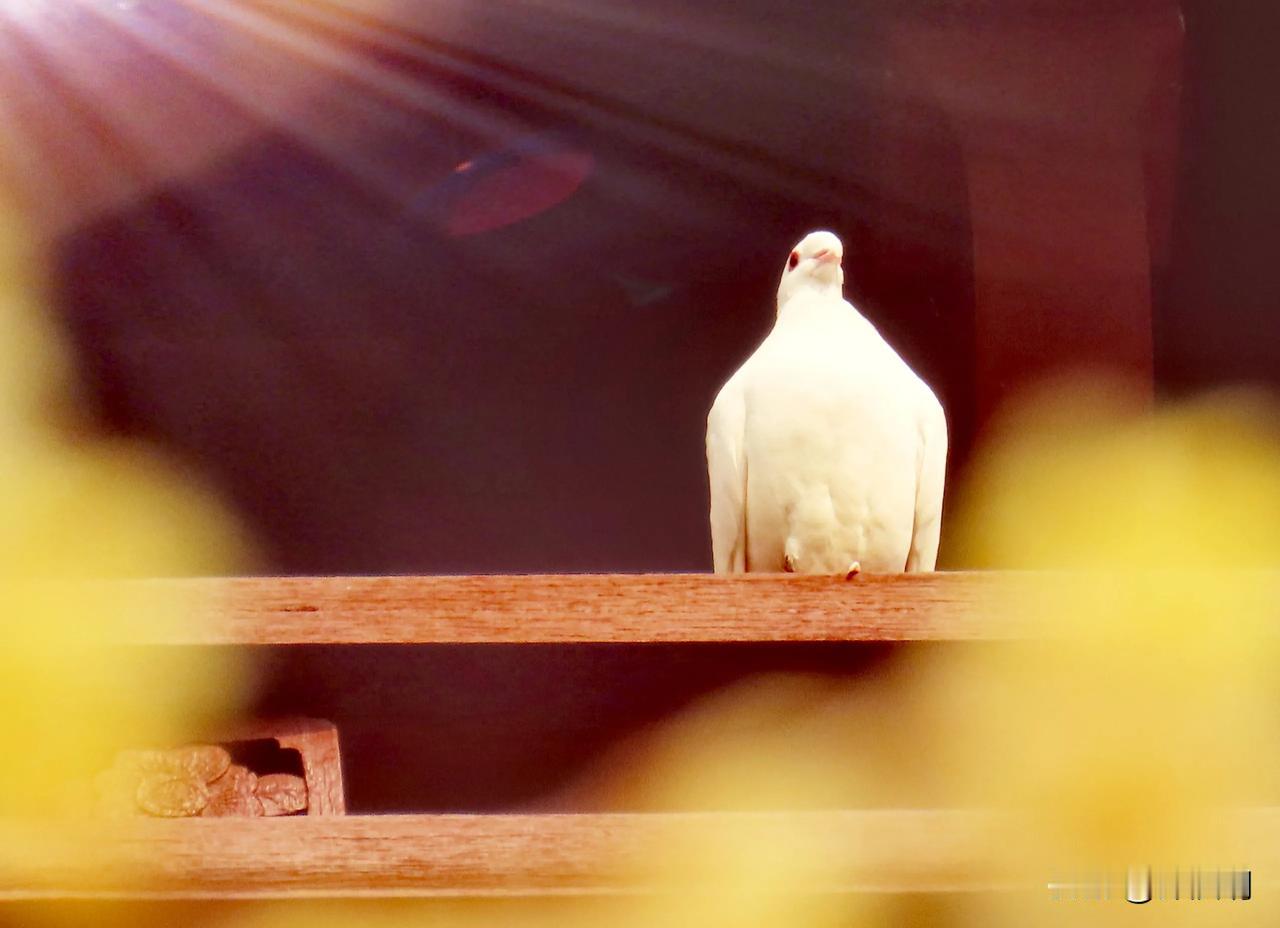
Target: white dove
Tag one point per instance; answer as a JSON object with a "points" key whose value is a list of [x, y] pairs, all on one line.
{"points": [[826, 453]]}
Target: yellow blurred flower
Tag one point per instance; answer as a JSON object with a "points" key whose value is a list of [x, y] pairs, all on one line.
{"points": [[1144, 710], [75, 516]]}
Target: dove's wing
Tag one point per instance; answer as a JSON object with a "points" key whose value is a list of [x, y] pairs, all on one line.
{"points": [[930, 474], [727, 473]]}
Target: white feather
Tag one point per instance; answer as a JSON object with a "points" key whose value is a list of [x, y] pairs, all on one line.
{"points": [[727, 474], [933, 468]]}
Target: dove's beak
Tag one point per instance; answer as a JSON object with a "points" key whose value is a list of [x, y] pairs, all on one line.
{"points": [[827, 256]]}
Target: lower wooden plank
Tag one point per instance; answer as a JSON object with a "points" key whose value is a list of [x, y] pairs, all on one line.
{"points": [[438, 855]]}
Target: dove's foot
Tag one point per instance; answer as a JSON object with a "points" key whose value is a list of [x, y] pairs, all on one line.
{"points": [[854, 569], [788, 563]]}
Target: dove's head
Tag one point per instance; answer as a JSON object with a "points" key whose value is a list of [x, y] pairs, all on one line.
{"points": [[813, 266]]}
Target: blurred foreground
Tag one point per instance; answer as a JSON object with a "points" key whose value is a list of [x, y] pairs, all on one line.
{"points": [[75, 512]]}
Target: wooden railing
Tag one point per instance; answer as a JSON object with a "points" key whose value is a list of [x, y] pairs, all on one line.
{"points": [[889, 850]]}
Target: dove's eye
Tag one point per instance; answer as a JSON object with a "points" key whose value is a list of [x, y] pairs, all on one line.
{"points": [[794, 259]]}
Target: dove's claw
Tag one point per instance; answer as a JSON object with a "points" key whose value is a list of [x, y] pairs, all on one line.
{"points": [[854, 569]]}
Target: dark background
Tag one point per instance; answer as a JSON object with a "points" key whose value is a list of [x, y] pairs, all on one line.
{"points": [[1217, 303], [299, 323], [374, 394]]}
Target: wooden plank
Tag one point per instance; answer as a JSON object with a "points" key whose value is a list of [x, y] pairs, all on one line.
{"points": [[580, 608], [435, 855]]}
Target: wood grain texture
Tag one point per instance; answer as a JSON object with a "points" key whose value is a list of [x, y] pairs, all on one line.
{"points": [[581, 608], [431, 855]]}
